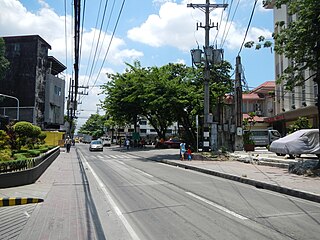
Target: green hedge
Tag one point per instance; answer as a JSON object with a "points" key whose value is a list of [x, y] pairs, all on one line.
{"points": [[15, 165], [23, 159]]}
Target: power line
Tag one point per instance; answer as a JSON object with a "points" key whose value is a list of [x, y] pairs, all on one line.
{"points": [[83, 11], [245, 36], [106, 54], [98, 41], [92, 43], [234, 13], [225, 27]]}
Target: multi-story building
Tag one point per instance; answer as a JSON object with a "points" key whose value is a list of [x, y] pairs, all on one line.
{"points": [[36, 80], [301, 101]]}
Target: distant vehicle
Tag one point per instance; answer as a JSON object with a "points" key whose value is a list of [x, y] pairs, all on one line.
{"points": [[172, 143], [264, 137], [86, 138], [106, 141], [96, 145], [305, 141]]}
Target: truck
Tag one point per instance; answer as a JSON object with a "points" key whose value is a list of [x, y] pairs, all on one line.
{"points": [[264, 137], [86, 138]]}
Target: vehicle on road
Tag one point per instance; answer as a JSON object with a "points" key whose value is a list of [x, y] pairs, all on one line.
{"points": [[96, 145], [86, 138], [172, 143], [305, 141], [106, 141], [264, 137]]}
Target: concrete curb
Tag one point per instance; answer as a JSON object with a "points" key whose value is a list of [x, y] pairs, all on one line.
{"points": [[18, 201], [258, 184]]}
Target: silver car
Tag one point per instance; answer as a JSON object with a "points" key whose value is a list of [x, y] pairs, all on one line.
{"points": [[96, 145], [305, 141]]}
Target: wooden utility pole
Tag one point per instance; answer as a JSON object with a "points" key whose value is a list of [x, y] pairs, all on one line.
{"points": [[238, 145]]}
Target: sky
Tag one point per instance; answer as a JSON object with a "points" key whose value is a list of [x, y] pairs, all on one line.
{"points": [[154, 32]]}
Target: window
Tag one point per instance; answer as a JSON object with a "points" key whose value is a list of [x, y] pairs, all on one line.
{"points": [[244, 107], [303, 93], [143, 122], [143, 130], [293, 100], [57, 90]]}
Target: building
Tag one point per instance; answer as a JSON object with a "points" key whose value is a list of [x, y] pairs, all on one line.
{"points": [[36, 80], [301, 101], [144, 129], [261, 101]]}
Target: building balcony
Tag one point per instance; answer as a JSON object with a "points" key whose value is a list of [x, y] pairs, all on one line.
{"points": [[268, 4]]}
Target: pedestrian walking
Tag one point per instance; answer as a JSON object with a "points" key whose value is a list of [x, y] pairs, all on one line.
{"points": [[68, 143], [182, 150]]}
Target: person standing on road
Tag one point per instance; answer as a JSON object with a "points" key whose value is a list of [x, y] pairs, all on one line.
{"points": [[68, 143]]}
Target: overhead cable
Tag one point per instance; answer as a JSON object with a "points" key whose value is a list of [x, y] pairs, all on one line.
{"points": [[245, 36]]}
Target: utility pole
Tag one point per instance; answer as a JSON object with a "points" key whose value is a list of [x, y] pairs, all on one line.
{"points": [[208, 51], [72, 101], [238, 145]]}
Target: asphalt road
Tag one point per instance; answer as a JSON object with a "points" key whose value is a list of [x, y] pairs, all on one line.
{"points": [[157, 201]]}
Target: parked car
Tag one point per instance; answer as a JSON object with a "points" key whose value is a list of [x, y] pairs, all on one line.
{"points": [[305, 141], [106, 141], [96, 145], [172, 143]]}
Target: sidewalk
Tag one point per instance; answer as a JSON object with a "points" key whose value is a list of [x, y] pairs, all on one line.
{"points": [[69, 210], [276, 179]]}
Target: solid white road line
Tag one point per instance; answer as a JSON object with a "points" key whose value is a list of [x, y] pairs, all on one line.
{"points": [[130, 230], [217, 206]]}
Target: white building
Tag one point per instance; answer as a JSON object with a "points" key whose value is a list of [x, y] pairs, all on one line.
{"points": [[301, 101]]}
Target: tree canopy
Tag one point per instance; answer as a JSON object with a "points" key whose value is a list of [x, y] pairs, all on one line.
{"points": [[162, 95], [4, 63], [94, 126]]}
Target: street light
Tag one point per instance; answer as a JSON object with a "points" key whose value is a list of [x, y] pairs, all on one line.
{"points": [[4, 95]]}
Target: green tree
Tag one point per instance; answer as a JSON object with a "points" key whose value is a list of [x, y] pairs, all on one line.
{"points": [[94, 126], [123, 95], [167, 94], [300, 123], [26, 134], [4, 63]]}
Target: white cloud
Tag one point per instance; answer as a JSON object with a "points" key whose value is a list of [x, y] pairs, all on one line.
{"points": [[175, 25], [15, 20], [182, 61]]}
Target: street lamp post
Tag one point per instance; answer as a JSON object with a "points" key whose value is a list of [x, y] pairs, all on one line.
{"points": [[18, 105]]}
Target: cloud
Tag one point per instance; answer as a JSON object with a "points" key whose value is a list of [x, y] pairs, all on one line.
{"points": [[16, 20], [174, 26]]}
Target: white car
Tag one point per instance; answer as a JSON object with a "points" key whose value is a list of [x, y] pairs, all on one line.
{"points": [[96, 145], [106, 141], [305, 141]]}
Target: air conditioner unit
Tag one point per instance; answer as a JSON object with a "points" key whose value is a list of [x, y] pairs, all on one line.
{"points": [[259, 113]]}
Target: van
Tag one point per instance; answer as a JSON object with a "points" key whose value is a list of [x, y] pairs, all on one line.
{"points": [[106, 141], [264, 137]]}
